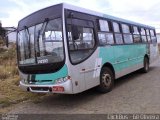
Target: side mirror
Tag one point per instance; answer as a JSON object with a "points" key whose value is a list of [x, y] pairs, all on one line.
{"points": [[75, 32], [6, 41]]}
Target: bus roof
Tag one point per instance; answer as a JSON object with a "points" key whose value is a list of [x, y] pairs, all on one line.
{"points": [[38, 15], [83, 10]]}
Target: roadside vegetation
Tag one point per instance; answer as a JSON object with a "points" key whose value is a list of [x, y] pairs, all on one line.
{"points": [[10, 93]]}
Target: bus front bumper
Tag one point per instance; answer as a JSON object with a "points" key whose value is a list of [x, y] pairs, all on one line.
{"points": [[64, 88]]}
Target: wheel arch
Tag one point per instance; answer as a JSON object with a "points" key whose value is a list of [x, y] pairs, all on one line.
{"points": [[109, 65]]}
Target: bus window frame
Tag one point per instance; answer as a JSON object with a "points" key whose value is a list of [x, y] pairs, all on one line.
{"points": [[80, 17], [150, 42], [34, 69], [130, 33], [154, 33], [134, 34], [110, 28], [120, 32], [144, 35]]}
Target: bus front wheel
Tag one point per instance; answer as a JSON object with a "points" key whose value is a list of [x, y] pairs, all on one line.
{"points": [[106, 80], [146, 65]]}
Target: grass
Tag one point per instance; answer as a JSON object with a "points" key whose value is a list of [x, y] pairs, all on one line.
{"points": [[10, 93], [8, 66], [1, 42]]}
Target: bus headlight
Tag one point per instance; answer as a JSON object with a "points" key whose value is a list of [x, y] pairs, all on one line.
{"points": [[60, 80]]}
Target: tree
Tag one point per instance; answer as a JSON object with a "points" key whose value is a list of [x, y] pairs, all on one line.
{"points": [[2, 31]]}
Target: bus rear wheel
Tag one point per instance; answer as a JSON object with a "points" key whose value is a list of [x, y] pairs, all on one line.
{"points": [[145, 69], [106, 80]]}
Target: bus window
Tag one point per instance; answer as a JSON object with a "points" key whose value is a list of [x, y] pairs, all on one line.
{"points": [[104, 26], [153, 37], [118, 35], [85, 40], [148, 36], [127, 34], [50, 42], [136, 35], [125, 28], [119, 39], [143, 35], [116, 27], [31, 42], [82, 47], [105, 38], [42, 41], [105, 34], [21, 46]]}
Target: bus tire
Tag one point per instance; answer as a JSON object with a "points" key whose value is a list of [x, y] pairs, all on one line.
{"points": [[145, 69], [106, 80]]}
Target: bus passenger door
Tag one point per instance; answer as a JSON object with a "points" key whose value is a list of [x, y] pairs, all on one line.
{"points": [[83, 53]]}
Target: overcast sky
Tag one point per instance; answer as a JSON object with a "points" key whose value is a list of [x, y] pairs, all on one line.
{"points": [[142, 11]]}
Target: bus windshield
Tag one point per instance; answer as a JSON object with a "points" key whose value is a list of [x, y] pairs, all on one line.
{"points": [[41, 44]]}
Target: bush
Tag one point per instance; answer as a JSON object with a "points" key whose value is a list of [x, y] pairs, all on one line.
{"points": [[1, 42], [8, 67]]}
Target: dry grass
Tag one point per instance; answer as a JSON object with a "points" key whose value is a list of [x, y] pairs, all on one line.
{"points": [[8, 67], [1, 42], [10, 93]]}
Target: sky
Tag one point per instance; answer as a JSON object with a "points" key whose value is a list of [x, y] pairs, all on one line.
{"points": [[142, 11]]}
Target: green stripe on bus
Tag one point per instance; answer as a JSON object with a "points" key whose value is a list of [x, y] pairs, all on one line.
{"points": [[63, 72], [120, 55]]}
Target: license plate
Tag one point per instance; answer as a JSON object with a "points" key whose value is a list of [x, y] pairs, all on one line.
{"points": [[58, 88]]}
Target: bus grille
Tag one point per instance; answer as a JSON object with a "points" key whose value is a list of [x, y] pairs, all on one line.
{"points": [[40, 88]]}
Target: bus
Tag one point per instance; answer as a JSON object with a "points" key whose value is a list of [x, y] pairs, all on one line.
{"points": [[67, 49]]}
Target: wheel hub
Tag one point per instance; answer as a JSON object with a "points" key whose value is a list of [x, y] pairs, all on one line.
{"points": [[106, 80]]}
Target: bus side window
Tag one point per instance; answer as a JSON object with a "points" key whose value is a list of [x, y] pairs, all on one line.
{"points": [[153, 36], [105, 34], [143, 35], [85, 39], [117, 33], [148, 36], [127, 34], [136, 35], [81, 45]]}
